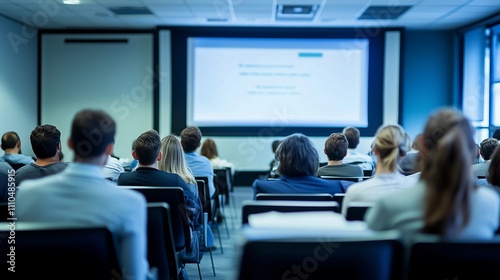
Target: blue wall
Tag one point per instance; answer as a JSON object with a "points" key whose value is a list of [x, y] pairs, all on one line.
{"points": [[427, 76]]}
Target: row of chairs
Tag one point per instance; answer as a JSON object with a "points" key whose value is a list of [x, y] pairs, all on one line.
{"points": [[271, 254], [265, 202]]}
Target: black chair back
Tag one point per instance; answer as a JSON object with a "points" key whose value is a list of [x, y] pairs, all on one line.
{"points": [[472, 259], [254, 207], [320, 256], [295, 196], [4, 211], [356, 210], [339, 198], [174, 197], [57, 252], [161, 248], [224, 182]]}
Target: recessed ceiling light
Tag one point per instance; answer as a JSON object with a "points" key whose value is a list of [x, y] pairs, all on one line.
{"points": [[71, 2]]}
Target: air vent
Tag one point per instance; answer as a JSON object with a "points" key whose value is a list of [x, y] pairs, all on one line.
{"points": [[132, 10], [384, 12], [296, 12]]}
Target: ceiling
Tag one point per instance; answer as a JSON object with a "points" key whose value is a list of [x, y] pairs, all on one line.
{"points": [[97, 14]]}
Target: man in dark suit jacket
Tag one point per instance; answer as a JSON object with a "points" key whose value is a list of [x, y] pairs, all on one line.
{"points": [[298, 163], [146, 150]]}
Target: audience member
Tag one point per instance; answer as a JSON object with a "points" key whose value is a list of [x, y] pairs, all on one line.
{"points": [[199, 165], [46, 144], [147, 150], [298, 164], [493, 174], [79, 195], [446, 201], [353, 155], [336, 149], [173, 161], [389, 145], [486, 149], [5, 171], [496, 134], [112, 169], [209, 150], [408, 163], [273, 165], [11, 145]]}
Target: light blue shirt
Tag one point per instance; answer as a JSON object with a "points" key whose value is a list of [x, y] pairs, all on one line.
{"points": [[16, 158], [201, 166], [80, 196]]}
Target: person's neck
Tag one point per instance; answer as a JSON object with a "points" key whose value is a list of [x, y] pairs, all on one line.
{"points": [[12, 151], [381, 169], [98, 160], [154, 165], [335, 162], [47, 161]]}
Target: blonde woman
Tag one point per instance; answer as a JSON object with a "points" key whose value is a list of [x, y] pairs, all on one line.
{"points": [[390, 144], [446, 201], [173, 161]]}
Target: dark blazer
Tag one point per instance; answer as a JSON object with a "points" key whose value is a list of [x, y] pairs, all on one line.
{"points": [[305, 184], [148, 176]]}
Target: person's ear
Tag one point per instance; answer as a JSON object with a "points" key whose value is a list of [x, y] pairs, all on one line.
{"points": [[70, 144], [18, 144], [134, 154], [159, 156], [324, 151], [109, 149]]}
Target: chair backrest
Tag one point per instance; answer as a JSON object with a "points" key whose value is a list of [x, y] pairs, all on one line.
{"points": [[352, 179], [319, 255], [161, 248], [223, 180], [174, 197], [204, 194], [339, 198], [254, 207], [52, 251], [295, 196], [472, 259], [356, 210], [4, 211]]}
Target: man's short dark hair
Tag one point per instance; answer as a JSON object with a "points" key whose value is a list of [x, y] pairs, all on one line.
{"points": [[91, 132], [275, 145], [336, 146], [45, 140], [496, 134], [352, 134], [487, 147], [147, 147], [297, 156], [190, 139], [9, 140]]}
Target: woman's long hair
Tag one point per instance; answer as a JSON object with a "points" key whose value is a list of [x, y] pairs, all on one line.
{"points": [[447, 156], [173, 160], [391, 143]]}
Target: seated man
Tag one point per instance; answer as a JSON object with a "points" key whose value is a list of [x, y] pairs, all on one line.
{"points": [[486, 149], [336, 150], [46, 144], [11, 144], [112, 169], [199, 165], [147, 151], [80, 195], [298, 163], [353, 155]]}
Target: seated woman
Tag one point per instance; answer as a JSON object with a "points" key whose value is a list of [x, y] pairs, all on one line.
{"points": [[389, 145], [446, 200], [173, 161], [209, 150], [298, 163]]}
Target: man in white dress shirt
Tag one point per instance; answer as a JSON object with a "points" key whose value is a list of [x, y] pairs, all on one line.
{"points": [[353, 155]]}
